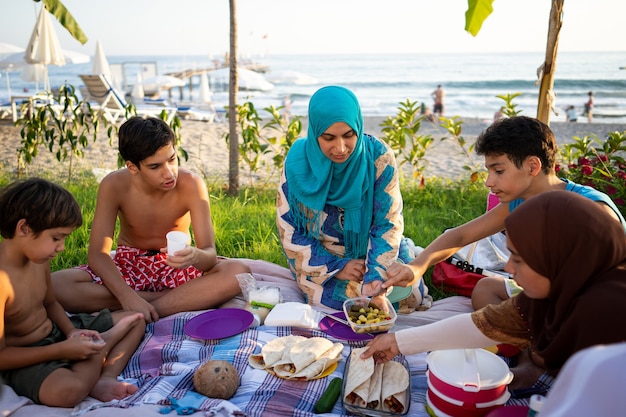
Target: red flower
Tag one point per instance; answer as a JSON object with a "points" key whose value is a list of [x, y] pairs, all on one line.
{"points": [[586, 170]]}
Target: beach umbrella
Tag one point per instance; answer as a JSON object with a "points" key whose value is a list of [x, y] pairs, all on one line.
{"points": [[161, 82], [248, 80], [100, 62], [138, 94], [6, 49], [205, 91], [44, 48]]}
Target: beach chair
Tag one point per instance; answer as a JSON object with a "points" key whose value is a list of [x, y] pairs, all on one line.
{"points": [[111, 103]]}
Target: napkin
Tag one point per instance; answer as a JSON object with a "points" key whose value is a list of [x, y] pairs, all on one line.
{"points": [[293, 314]]}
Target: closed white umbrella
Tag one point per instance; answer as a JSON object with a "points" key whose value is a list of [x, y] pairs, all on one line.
{"points": [[100, 62], [138, 94], [44, 48], [205, 91]]}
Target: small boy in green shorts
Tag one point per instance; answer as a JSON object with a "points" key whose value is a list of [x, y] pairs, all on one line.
{"points": [[53, 359]]}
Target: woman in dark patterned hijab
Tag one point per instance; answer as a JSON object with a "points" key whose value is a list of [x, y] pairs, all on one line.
{"points": [[570, 258]]}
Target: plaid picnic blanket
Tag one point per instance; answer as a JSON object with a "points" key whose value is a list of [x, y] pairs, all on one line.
{"points": [[164, 364]]}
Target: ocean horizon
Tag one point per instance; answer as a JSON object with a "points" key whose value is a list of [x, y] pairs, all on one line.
{"points": [[381, 81]]}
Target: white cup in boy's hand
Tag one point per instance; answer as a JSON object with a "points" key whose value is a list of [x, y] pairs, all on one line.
{"points": [[176, 241]]}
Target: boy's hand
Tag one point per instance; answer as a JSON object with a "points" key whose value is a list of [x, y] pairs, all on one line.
{"points": [[79, 348], [139, 305], [94, 335], [402, 275], [183, 258]]}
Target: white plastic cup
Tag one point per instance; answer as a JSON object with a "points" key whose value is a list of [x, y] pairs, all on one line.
{"points": [[176, 241]]}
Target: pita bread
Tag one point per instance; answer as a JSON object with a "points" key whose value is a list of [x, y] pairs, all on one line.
{"points": [[358, 380], [297, 357], [396, 382], [373, 397], [273, 351], [376, 386]]}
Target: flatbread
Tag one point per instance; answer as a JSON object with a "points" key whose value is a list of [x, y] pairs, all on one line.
{"points": [[374, 395], [315, 368], [358, 379], [274, 351], [297, 357], [396, 382]]}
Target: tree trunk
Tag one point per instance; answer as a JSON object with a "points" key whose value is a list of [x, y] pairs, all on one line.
{"points": [[233, 87], [546, 92]]}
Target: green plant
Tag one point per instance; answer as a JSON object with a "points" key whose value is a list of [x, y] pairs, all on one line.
{"points": [[454, 126], [257, 142], [62, 125], [401, 134], [509, 107], [602, 168], [287, 131]]}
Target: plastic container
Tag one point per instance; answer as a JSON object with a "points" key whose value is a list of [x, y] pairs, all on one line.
{"points": [[368, 412], [446, 375], [352, 304], [444, 406], [509, 411]]}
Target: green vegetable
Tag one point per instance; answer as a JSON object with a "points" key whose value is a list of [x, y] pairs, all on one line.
{"points": [[328, 399]]}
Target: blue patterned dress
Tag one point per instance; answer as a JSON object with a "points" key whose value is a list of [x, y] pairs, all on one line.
{"points": [[315, 261]]}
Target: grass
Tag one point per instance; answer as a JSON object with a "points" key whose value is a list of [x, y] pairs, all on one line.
{"points": [[245, 226]]}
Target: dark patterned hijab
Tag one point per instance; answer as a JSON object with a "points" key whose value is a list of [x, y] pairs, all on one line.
{"points": [[582, 251]]}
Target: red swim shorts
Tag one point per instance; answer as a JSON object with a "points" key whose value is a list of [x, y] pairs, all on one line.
{"points": [[146, 270]]}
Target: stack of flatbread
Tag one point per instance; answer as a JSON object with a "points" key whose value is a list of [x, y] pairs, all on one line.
{"points": [[376, 386], [297, 357]]}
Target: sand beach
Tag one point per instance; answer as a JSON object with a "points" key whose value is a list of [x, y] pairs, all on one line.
{"points": [[208, 151]]}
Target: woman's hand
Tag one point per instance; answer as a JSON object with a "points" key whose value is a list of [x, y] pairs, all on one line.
{"points": [[353, 271], [382, 348]]}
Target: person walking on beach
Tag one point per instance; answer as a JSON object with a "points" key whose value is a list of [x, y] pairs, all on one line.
{"points": [[339, 207], [151, 196], [438, 96], [589, 107], [53, 359]]}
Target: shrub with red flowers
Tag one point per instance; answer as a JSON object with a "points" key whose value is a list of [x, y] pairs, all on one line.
{"points": [[598, 164]]}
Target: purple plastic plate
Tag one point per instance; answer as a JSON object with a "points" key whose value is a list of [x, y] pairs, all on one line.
{"points": [[218, 324], [340, 330]]}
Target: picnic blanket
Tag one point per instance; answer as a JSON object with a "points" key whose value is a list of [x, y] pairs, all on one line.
{"points": [[164, 364]]}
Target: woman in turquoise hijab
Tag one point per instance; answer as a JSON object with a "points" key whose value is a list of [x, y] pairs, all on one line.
{"points": [[339, 208]]}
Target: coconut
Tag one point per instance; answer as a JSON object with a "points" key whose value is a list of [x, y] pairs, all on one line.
{"points": [[216, 379]]}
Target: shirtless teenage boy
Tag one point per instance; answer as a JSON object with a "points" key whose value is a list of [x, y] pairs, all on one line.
{"points": [[520, 154], [45, 355], [150, 196]]}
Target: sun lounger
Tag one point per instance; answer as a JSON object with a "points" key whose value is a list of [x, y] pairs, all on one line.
{"points": [[112, 104]]}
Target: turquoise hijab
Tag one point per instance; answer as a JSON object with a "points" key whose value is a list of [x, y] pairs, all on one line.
{"points": [[314, 180]]}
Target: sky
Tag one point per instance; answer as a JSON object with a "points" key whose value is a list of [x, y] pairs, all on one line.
{"points": [[201, 27]]}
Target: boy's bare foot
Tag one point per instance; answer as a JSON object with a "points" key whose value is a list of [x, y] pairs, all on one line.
{"points": [[108, 389], [119, 330]]}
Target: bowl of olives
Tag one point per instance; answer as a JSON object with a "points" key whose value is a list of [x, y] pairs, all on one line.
{"points": [[365, 316]]}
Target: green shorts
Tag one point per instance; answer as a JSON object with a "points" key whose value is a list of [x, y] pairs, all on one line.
{"points": [[27, 381], [512, 287]]}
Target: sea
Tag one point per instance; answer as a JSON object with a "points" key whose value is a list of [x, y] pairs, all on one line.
{"points": [[472, 81]]}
